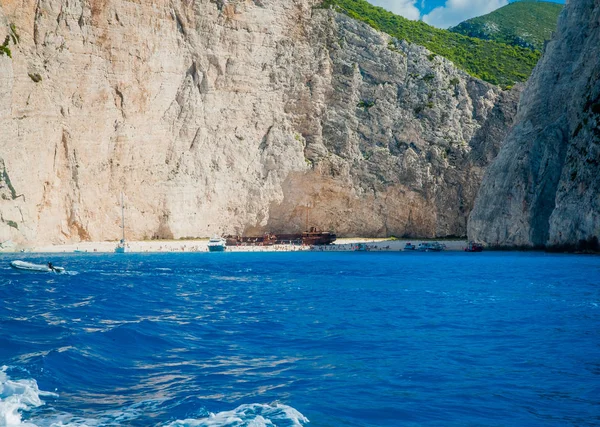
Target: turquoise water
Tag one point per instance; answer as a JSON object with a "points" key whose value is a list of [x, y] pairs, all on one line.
{"points": [[301, 339]]}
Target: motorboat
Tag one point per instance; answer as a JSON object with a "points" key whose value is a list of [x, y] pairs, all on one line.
{"points": [[42, 268], [431, 247], [217, 244], [409, 247]]}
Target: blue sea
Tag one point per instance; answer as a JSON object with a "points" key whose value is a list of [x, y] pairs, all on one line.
{"points": [[301, 339]]}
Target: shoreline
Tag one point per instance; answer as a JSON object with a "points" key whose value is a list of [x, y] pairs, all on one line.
{"points": [[200, 245]]}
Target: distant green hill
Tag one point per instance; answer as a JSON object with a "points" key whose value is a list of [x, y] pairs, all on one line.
{"points": [[524, 23], [494, 62]]}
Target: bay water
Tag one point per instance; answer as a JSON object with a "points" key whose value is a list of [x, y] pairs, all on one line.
{"points": [[301, 339]]}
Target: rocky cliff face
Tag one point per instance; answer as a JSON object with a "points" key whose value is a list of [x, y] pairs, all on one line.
{"points": [[543, 188], [240, 116]]}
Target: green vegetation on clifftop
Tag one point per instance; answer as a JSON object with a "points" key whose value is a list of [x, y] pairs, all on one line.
{"points": [[494, 62], [524, 23]]}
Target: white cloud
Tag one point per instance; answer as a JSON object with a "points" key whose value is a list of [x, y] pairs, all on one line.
{"points": [[404, 8], [456, 11]]}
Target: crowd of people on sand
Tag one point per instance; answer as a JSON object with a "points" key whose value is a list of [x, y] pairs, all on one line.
{"points": [[350, 247], [271, 248], [344, 245], [341, 247]]}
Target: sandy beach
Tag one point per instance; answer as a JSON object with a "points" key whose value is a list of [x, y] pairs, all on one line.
{"points": [[200, 245]]}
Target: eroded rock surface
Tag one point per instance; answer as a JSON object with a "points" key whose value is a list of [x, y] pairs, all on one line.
{"points": [[232, 117], [543, 189]]}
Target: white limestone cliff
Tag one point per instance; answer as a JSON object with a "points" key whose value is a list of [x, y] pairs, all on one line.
{"points": [[217, 116]]}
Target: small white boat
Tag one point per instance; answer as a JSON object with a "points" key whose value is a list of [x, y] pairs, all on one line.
{"points": [[29, 266], [121, 248], [217, 244]]}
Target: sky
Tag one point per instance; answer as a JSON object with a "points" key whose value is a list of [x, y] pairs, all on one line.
{"points": [[442, 13]]}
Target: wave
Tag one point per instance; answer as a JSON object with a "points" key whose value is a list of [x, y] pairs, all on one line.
{"points": [[252, 415], [24, 395], [17, 396]]}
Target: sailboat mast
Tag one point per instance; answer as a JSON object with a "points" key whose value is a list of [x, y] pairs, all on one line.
{"points": [[308, 207], [306, 225], [122, 217]]}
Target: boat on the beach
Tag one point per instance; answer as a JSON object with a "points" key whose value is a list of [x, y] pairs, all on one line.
{"points": [[217, 244], [409, 247], [312, 237], [266, 239], [431, 247], [317, 237], [474, 247], [42, 268]]}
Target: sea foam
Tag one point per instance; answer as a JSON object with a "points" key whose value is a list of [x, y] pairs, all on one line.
{"points": [[251, 415], [18, 396]]}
